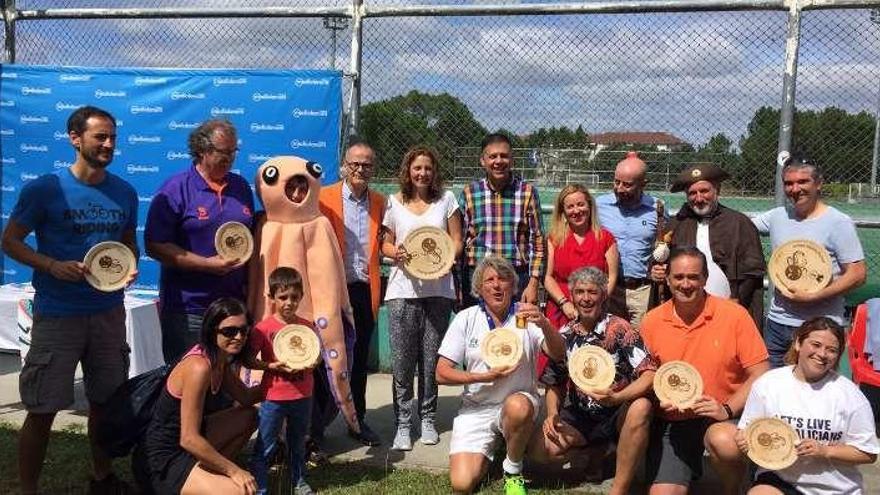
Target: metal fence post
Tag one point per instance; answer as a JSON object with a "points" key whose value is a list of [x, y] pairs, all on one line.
{"points": [[9, 15], [356, 59], [875, 18], [789, 82]]}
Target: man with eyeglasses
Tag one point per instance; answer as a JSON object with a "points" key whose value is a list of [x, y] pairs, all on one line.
{"points": [[355, 211], [184, 216], [632, 217]]}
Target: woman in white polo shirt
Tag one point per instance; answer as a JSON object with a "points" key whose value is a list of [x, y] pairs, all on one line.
{"points": [[497, 403]]}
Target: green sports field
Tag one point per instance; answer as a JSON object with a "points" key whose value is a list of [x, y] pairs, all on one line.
{"points": [[870, 237]]}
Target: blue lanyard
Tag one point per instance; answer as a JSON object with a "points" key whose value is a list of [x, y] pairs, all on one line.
{"points": [[510, 312]]}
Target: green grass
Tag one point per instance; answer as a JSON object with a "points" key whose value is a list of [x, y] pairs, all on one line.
{"points": [[67, 469]]}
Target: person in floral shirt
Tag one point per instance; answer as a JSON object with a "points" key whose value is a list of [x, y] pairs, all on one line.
{"points": [[621, 413]]}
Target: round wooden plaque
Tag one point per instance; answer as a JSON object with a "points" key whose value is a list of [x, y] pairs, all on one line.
{"points": [[802, 265], [297, 346], [430, 253], [591, 367], [772, 443], [502, 347], [679, 383], [110, 264], [233, 241]]}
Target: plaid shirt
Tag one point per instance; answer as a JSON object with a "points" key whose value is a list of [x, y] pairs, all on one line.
{"points": [[506, 223]]}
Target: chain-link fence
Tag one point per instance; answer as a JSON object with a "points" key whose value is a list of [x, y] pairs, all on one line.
{"points": [[575, 91]]}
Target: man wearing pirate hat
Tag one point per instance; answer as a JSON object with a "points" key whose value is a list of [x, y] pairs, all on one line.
{"points": [[727, 237]]}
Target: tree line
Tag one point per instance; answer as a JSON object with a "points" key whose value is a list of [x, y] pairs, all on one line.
{"points": [[841, 142]]}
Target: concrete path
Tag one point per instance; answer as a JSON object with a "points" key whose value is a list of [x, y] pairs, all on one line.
{"points": [[380, 418]]}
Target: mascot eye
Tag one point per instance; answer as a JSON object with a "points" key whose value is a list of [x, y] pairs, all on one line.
{"points": [[314, 169], [270, 175]]}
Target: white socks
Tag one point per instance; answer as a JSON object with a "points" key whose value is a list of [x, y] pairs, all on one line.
{"points": [[511, 467]]}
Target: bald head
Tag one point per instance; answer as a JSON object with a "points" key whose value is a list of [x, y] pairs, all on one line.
{"points": [[629, 179]]}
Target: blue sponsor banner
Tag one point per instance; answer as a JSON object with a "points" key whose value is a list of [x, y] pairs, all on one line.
{"points": [[276, 112]]}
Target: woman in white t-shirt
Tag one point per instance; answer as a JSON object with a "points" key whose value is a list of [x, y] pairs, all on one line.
{"points": [[418, 310], [830, 414]]}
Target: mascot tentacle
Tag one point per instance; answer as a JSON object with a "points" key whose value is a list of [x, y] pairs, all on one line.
{"points": [[294, 233]]}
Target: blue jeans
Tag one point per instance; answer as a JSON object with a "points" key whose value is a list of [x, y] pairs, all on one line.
{"points": [[777, 338], [272, 416]]}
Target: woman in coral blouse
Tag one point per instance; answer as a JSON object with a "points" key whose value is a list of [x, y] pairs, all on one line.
{"points": [[576, 240]]}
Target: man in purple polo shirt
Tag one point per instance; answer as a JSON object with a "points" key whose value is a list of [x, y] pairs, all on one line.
{"points": [[184, 215]]}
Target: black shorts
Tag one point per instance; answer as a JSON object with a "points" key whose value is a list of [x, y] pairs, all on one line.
{"points": [[772, 479], [675, 451], [595, 428]]}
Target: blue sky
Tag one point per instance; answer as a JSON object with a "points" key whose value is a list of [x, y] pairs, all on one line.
{"points": [[691, 74]]}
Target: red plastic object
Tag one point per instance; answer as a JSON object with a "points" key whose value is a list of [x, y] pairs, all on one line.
{"points": [[862, 370]]}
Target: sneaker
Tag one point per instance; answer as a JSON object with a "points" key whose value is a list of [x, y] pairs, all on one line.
{"points": [[514, 484], [303, 488], [402, 440], [429, 433], [110, 485], [314, 455], [366, 436]]}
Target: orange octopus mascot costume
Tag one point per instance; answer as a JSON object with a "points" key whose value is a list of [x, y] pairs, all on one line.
{"points": [[294, 233]]}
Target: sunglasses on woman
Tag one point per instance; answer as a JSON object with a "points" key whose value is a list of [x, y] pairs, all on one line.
{"points": [[232, 331]]}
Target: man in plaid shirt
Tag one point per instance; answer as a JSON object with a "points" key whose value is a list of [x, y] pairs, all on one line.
{"points": [[502, 216]]}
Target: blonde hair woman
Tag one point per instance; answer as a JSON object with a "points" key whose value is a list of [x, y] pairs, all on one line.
{"points": [[576, 241]]}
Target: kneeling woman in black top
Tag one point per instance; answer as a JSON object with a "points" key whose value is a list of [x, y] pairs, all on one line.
{"points": [[195, 432]]}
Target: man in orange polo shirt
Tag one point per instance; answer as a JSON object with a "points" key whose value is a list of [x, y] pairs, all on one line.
{"points": [[355, 211], [719, 338]]}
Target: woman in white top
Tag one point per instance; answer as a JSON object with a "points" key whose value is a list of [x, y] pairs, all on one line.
{"points": [[829, 413], [418, 310]]}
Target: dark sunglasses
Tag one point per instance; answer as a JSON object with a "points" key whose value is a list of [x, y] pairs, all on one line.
{"points": [[231, 332]]}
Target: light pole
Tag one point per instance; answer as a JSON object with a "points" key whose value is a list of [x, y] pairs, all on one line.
{"points": [[875, 18], [335, 24]]}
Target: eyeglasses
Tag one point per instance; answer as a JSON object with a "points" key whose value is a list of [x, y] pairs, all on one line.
{"points": [[226, 153], [360, 165], [230, 332]]}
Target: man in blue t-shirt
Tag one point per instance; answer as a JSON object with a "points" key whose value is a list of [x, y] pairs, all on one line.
{"points": [[70, 211], [807, 217]]}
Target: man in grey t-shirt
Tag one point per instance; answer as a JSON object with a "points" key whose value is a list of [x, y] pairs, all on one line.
{"points": [[806, 216]]}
